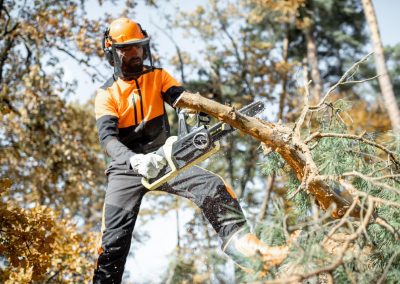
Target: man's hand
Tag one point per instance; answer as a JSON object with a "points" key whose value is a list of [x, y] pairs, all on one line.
{"points": [[148, 165]]}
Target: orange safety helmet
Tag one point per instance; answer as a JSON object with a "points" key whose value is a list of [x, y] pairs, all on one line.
{"points": [[124, 32]]}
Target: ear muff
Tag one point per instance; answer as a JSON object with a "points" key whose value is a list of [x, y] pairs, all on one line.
{"points": [[107, 47]]}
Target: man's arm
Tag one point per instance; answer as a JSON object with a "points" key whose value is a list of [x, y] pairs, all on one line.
{"points": [[172, 94], [171, 89], [107, 126]]}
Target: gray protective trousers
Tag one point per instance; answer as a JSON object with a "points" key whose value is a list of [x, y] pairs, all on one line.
{"points": [[122, 202]]}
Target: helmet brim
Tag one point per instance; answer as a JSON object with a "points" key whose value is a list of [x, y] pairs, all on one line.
{"points": [[137, 42]]}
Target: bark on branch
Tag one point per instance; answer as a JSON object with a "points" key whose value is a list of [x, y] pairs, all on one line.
{"points": [[281, 140]]}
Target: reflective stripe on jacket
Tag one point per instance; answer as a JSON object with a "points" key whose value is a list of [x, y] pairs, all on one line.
{"points": [[130, 115]]}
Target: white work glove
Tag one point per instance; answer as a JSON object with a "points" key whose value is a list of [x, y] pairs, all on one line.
{"points": [[148, 165]]}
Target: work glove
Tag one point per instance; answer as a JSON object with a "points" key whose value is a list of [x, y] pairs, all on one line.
{"points": [[148, 165]]}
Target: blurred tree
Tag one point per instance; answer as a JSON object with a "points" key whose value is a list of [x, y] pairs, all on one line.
{"points": [[384, 76], [48, 147], [39, 248]]}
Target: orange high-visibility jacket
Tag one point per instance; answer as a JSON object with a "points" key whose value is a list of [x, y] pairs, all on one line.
{"points": [[130, 115]]}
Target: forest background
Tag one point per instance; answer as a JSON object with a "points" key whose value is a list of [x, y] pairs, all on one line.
{"points": [[52, 182]]}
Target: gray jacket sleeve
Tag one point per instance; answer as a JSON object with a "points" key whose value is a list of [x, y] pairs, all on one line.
{"points": [[107, 127]]}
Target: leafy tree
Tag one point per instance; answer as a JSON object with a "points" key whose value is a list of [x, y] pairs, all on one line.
{"points": [[37, 247], [48, 147]]}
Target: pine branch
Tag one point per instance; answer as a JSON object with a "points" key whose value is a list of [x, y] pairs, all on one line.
{"points": [[342, 220], [373, 180], [355, 192], [378, 220], [318, 135]]}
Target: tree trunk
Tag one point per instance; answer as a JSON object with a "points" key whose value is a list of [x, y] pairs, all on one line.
{"points": [[312, 58], [384, 79]]}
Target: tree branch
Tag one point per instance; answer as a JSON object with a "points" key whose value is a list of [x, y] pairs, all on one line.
{"points": [[296, 278], [392, 258], [278, 137], [346, 75]]}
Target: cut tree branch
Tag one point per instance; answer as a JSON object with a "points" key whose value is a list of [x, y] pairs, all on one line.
{"points": [[278, 138]]}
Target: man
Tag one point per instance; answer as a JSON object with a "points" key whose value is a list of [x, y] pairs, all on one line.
{"points": [[132, 125]]}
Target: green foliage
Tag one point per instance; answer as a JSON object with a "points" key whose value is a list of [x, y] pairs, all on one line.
{"points": [[183, 271], [272, 164], [301, 199], [272, 231]]}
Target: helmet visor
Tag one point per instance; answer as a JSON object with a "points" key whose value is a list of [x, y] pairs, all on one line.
{"points": [[137, 42], [131, 59]]}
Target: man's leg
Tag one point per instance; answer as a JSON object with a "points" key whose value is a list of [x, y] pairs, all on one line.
{"points": [[214, 197], [222, 209], [121, 206]]}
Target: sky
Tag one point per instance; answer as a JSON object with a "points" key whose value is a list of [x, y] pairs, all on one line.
{"points": [[387, 13], [150, 259]]}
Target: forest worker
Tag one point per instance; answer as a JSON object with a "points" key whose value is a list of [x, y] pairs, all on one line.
{"points": [[132, 124]]}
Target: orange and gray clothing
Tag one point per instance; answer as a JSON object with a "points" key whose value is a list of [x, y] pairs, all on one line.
{"points": [[131, 119], [130, 115]]}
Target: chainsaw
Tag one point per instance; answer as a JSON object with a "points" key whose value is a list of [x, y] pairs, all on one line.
{"points": [[193, 145]]}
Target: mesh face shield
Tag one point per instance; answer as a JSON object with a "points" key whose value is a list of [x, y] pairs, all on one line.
{"points": [[132, 59]]}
